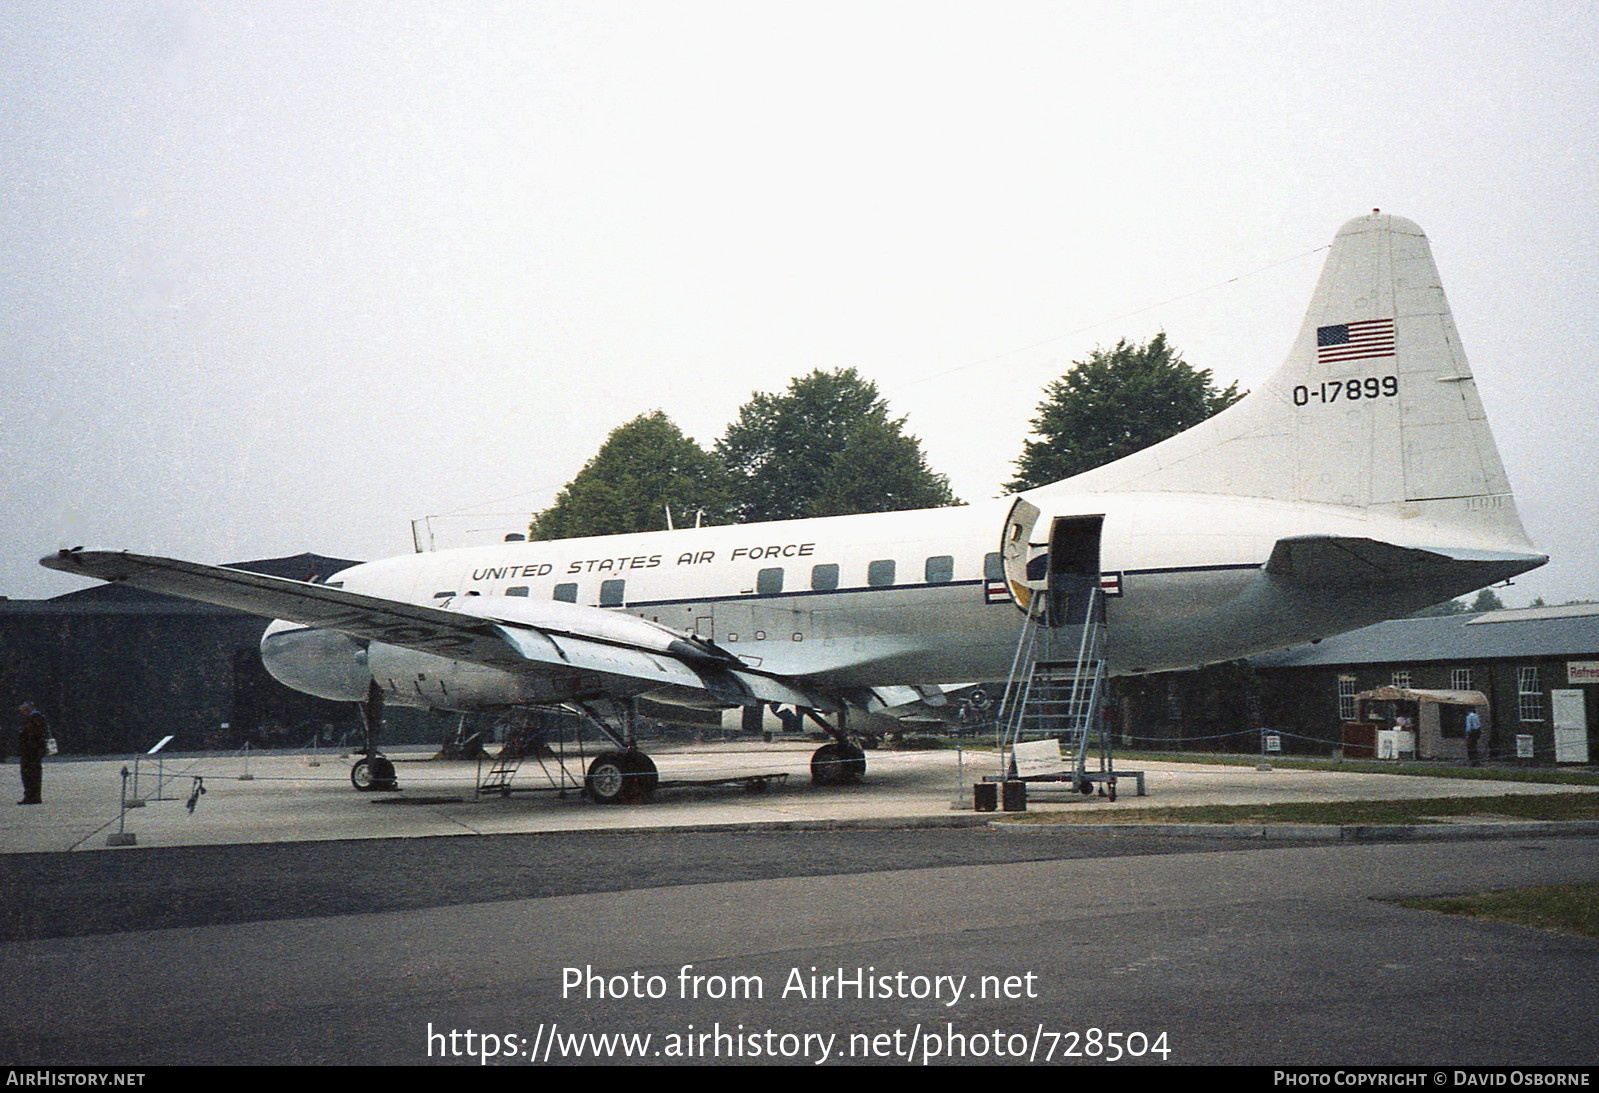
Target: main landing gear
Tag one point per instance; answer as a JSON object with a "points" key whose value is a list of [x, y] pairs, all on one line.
{"points": [[620, 777], [373, 772], [842, 762], [624, 776]]}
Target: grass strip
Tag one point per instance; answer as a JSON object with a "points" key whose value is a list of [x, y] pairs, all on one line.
{"points": [[1552, 806], [1563, 908], [1411, 768]]}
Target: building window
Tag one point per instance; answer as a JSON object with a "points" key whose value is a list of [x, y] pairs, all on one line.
{"points": [[1402, 679], [566, 593], [769, 582], [1460, 679], [611, 593], [1346, 698], [1529, 695], [880, 574], [940, 569]]}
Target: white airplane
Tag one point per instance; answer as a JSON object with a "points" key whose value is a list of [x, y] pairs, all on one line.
{"points": [[1359, 483]]}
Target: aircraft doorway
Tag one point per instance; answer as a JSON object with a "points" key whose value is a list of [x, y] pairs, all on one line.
{"points": [[1074, 570]]}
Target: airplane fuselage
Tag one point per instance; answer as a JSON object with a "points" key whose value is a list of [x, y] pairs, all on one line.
{"points": [[884, 599]]}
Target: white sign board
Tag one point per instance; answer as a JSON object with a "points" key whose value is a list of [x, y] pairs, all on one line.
{"points": [[1582, 671], [1039, 757]]}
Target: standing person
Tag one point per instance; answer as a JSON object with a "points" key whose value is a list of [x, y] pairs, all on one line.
{"points": [[1473, 734], [31, 748]]}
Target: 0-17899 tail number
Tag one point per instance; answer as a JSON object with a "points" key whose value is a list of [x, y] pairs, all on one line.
{"points": [[1349, 390]]}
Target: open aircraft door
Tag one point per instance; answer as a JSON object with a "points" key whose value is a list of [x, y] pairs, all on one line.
{"points": [[1016, 550]]}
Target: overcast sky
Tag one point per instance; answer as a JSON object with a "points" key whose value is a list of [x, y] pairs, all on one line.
{"points": [[280, 277]]}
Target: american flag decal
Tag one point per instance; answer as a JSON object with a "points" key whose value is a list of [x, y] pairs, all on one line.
{"points": [[1110, 584], [996, 591], [1355, 341]]}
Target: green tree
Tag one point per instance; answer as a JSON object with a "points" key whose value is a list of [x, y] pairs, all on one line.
{"points": [[1113, 404], [825, 447], [1448, 607], [642, 468], [1487, 600]]}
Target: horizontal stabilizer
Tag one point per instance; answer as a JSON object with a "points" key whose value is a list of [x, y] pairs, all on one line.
{"points": [[1336, 561]]}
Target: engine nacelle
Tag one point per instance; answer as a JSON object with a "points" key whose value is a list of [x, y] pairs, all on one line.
{"points": [[335, 666], [324, 663]]}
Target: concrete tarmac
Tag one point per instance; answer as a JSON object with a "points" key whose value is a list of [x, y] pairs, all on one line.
{"points": [[289, 919], [288, 799]]}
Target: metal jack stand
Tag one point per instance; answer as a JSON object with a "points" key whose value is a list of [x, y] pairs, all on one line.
{"points": [[122, 836]]}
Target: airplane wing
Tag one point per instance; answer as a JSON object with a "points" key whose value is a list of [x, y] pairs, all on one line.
{"points": [[582, 652]]}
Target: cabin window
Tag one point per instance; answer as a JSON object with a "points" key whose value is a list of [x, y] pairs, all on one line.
{"points": [[443, 595], [1529, 694], [824, 578], [769, 582], [880, 574], [940, 569], [519, 590], [612, 593], [567, 593], [335, 584], [993, 567]]}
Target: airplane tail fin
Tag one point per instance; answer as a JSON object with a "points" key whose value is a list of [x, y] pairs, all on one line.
{"points": [[1375, 407]]}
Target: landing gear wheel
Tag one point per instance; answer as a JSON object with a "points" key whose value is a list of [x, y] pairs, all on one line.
{"points": [[620, 777], [836, 764], [373, 773], [1085, 787]]}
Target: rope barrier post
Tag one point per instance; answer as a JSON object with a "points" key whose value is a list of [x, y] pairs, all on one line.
{"points": [[246, 776], [962, 801], [122, 836]]}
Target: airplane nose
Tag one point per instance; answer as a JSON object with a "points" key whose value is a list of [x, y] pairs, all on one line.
{"points": [[323, 663]]}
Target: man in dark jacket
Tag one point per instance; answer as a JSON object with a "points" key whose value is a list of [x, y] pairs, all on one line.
{"points": [[31, 747]]}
